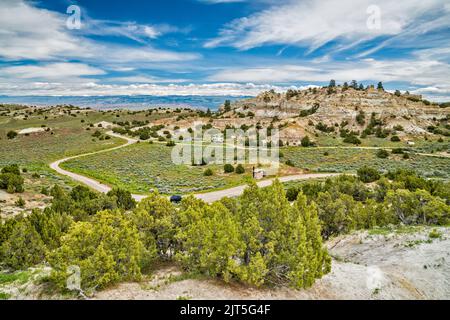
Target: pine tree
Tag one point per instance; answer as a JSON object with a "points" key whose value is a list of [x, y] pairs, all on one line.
{"points": [[106, 249], [155, 219], [50, 225], [227, 105], [24, 248], [279, 246], [317, 257], [210, 244], [123, 197]]}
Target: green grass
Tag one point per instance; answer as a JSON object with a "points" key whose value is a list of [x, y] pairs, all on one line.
{"points": [[396, 230], [4, 296], [349, 160], [20, 277], [141, 167], [70, 137], [325, 140]]}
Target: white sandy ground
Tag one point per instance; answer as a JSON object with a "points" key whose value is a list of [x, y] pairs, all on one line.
{"points": [[393, 266], [364, 267], [105, 124], [31, 130]]}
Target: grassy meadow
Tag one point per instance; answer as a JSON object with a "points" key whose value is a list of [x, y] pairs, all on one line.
{"points": [[142, 167], [349, 160], [70, 133]]}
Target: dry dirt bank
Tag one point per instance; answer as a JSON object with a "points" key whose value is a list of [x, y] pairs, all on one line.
{"points": [[390, 265]]}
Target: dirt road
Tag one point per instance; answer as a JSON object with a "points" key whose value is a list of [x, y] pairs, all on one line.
{"points": [[94, 184], [207, 197], [237, 191]]}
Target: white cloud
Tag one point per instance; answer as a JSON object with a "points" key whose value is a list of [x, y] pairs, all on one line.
{"points": [[30, 33], [27, 32], [313, 23], [143, 79], [220, 1], [50, 71], [132, 30], [98, 89], [419, 72]]}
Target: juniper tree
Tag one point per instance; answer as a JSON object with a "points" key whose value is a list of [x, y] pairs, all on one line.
{"points": [[24, 247], [316, 259], [155, 220], [210, 243], [106, 249]]}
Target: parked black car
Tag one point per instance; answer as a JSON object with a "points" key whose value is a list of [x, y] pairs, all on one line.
{"points": [[176, 199]]}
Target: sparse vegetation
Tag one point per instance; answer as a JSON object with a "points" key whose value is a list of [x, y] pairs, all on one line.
{"points": [[264, 237]]}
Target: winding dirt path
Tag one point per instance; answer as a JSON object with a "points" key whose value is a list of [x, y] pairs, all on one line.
{"points": [[237, 191], [207, 197], [94, 184]]}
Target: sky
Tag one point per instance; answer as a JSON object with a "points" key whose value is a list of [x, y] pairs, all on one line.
{"points": [[221, 47]]}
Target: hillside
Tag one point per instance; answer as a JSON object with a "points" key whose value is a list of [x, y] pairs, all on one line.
{"points": [[327, 110]]}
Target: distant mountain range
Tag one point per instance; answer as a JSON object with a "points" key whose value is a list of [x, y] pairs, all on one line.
{"points": [[131, 102]]}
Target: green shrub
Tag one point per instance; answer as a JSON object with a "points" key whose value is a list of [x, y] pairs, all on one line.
{"points": [[398, 151], [361, 118], [434, 234], [20, 202], [306, 142], [395, 139], [11, 182], [11, 134], [228, 168], [240, 169], [97, 134], [367, 174], [14, 169], [106, 250], [382, 154], [290, 163], [123, 198], [24, 247], [214, 238], [208, 172], [352, 139]]}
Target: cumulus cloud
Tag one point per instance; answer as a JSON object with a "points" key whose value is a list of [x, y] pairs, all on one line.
{"points": [[419, 72], [99, 89], [31, 33], [50, 71]]}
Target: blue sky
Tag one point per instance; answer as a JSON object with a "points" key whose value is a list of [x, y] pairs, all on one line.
{"points": [[222, 47]]}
